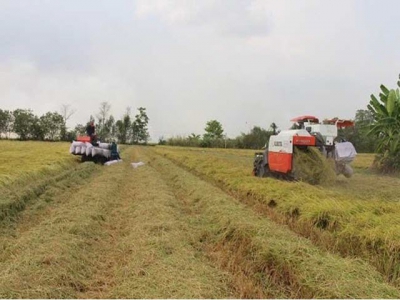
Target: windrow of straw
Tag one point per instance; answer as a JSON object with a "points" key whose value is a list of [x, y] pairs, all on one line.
{"points": [[153, 252], [14, 197], [122, 234], [352, 220], [310, 166], [270, 256]]}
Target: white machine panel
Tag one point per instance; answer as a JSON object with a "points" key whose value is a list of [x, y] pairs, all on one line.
{"points": [[281, 143]]}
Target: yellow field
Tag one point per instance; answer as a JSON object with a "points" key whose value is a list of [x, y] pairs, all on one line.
{"points": [[19, 159], [193, 223], [353, 217]]}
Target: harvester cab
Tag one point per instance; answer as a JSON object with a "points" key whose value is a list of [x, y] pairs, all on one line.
{"points": [[277, 160], [92, 150]]}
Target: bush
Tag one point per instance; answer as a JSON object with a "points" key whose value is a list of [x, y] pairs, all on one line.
{"points": [[387, 163]]}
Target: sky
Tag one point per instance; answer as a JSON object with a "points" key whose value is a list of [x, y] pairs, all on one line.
{"points": [[244, 63]]}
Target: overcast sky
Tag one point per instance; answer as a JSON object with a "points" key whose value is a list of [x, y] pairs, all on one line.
{"points": [[243, 63]]}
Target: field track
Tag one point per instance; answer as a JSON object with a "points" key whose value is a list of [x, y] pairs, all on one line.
{"points": [[161, 231]]}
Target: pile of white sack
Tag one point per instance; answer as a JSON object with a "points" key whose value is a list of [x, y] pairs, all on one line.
{"points": [[85, 148]]}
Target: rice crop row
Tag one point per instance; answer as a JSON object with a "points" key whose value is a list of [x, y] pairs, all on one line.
{"points": [[346, 220], [21, 161], [271, 259]]}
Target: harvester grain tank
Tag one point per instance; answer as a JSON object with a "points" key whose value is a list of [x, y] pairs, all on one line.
{"points": [[278, 158]]}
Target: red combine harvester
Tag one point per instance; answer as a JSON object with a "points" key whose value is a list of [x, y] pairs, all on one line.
{"points": [[277, 159], [91, 150]]}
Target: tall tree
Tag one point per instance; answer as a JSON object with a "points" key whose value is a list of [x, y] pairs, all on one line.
{"points": [[213, 130], [102, 117], [139, 126], [52, 124], [124, 127], [23, 121], [6, 122], [66, 112]]}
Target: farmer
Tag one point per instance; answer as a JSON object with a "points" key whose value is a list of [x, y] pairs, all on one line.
{"points": [[114, 151], [90, 131]]}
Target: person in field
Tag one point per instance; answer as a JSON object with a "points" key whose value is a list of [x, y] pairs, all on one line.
{"points": [[91, 131]]}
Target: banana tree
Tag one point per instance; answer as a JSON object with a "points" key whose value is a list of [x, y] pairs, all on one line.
{"points": [[386, 128], [386, 113]]}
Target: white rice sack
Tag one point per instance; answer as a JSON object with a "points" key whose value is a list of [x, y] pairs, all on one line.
{"points": [[106, 153], [75, 143], [104, 145], [83, 149], [345, 152], [96, 151], [138, 164], [78, 150], [72, 149], [89, 147], [113, 162]]}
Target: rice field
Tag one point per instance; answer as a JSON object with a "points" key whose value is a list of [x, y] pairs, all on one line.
{"points": [[22, 159], [357, 217], [191, 223]]}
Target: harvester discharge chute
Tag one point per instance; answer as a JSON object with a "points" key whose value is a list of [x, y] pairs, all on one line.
{"points": [[94, 151], [311, 152]]}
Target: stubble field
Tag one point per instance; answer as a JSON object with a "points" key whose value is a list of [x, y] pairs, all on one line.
{"points": [[190, 223]]}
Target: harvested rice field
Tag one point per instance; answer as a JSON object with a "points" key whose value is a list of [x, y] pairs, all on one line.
{"points": [[191, 223]]}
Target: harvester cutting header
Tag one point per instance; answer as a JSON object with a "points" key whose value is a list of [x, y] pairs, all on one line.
{"points": [[283, 156]]}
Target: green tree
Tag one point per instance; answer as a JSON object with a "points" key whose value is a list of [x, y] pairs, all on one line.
{"points": [[52, 124], [123, 127], [6, 122], [386, 128], [213, 130], [23, 122], [257, 138], [80, 129], [110, 129], [139, 126], [37, 129], [358, 134], [194, 140], [102, 130]]}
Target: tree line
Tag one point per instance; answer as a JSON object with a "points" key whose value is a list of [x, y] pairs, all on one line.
{"points": [[258, 137], [52, 126], [214, 137]]}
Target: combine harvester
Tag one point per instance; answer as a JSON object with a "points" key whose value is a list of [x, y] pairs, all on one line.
{"points": [[306, 150], [94, 151]]}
